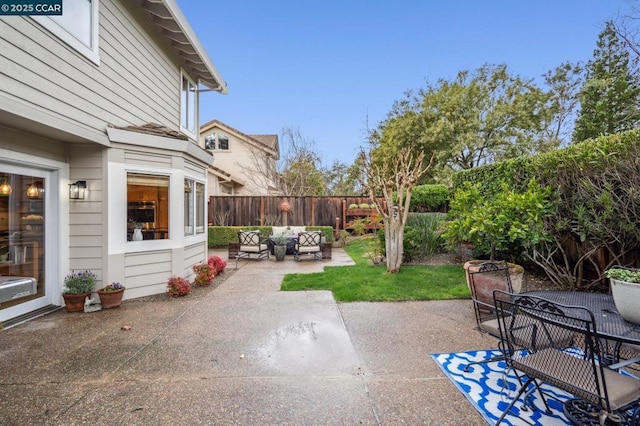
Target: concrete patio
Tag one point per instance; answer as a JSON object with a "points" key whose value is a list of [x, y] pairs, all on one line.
{"points": [[240, 353]]}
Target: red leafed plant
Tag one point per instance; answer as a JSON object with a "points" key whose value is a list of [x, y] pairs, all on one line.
{"points": [[178, 286], [217, 263], [204, 274]]}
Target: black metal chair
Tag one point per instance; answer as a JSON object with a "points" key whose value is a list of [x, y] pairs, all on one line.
{"points": [[535, 333], [483, 280], [309, 244], [250, 244]]}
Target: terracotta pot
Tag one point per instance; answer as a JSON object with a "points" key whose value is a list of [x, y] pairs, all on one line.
{"points": [[111, 299], [75, 302]]}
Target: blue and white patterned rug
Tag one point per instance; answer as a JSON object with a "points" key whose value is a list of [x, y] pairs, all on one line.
{"points": [[490, 389]]}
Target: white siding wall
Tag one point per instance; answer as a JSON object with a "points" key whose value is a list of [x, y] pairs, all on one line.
{"points": [[144, 270], [136, 81], [87, 217]]}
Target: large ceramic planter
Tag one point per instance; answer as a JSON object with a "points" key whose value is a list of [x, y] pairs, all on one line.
{"points": [[75, 302], [516, 272], [626, 296], [280, 252], [111, 299]]}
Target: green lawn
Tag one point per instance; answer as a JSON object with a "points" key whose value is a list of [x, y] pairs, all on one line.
{"points": [[364, 282]]}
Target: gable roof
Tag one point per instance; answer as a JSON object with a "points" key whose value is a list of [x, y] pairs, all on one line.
{"points": [[168, 18], [268, 142]]}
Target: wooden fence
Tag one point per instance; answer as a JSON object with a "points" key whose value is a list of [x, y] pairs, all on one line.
{"points": [[265, 210]]}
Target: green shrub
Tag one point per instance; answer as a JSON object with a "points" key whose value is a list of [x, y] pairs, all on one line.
{"points": [[363, 206], [359, 226], [501, 225], [429, 227], [422, 236], [429, 198], [221, 236], [353, 206]]}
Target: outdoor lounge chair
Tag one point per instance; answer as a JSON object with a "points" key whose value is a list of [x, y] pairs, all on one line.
{"points": [[250, 245], [546, 355], [308, 244]]}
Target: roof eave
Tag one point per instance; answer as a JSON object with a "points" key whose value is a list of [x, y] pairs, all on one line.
{"points": [[168, 17]]}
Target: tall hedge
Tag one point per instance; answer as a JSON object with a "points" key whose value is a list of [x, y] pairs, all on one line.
{"points": [[596, 202]]}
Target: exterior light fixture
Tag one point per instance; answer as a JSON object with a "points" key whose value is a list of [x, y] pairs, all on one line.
{"points": [[77, 190]]}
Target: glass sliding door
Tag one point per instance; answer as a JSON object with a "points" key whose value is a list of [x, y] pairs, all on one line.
{"points": [[22, 237]]}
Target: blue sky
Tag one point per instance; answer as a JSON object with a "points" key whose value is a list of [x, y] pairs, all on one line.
{"points": [[333, 68]]}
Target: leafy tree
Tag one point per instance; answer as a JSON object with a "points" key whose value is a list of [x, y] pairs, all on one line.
{"points": [[476, 118], [342, 179], [610, 95], [564, 85]]}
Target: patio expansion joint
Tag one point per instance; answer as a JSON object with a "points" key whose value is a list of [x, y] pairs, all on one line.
{"points": [[361, 372]]}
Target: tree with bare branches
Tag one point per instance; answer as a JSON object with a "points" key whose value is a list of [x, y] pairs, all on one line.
{"points": [[297, 171], [628, 29], [393, 178]]}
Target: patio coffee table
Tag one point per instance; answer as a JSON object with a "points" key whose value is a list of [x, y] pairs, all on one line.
{"points": [[291, 244]]}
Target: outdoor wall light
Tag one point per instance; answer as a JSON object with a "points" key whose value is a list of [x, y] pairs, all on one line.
{"points": [[77, 190]]}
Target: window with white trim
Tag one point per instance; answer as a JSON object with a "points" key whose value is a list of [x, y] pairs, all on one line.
{"points": [[210, 142], [77, 26], [217, 141], [188, 106], [194, 206], [223, 143]]}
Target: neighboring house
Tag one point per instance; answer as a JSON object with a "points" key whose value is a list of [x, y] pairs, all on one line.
{"points": [[98, 131], [243, 164]]}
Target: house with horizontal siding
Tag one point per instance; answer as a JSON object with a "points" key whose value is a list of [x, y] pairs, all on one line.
{"points": [[243, 164], [100, 163]]}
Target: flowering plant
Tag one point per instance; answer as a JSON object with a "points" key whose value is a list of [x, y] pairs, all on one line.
{"points": [[204, 274], [217, 263], [178, 286], [79, 282], [114, 286]]}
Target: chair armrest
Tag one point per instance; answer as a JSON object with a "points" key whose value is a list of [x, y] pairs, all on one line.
{"points": [[624, 363]]}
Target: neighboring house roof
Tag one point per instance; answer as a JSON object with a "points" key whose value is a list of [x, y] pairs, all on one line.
{"points": [[225, 176], [168, 17], [268, 142]]}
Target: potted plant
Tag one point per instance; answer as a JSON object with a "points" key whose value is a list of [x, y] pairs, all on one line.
{"points": [[204, 274], [111, 295], [78, 285], [280, 247], [625, 285]]}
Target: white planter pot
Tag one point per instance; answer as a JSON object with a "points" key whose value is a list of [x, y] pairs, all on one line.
{"points": [[626, 296]]}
